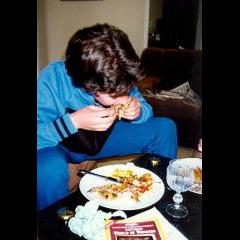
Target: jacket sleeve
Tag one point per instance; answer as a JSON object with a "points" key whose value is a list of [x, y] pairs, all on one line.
{"points": [[146, 109], [49, 134], [53, 124]]}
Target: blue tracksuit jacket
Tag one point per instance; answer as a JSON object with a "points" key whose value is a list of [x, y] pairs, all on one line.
{"points": [[56, 93]]}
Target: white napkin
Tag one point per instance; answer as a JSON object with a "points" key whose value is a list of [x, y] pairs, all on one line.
{"points": [[89, 222], [171, 232]]}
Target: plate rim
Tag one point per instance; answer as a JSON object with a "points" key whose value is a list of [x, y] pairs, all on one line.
{"points": [[161, 193]]}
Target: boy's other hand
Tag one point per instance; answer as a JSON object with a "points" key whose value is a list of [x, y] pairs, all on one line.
{"points": [[133, 111]]}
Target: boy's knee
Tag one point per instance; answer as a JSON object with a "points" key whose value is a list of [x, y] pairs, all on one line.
{"points": [[52, 155], [170, 124], [52, 163], [165, 123], [52, 176]]}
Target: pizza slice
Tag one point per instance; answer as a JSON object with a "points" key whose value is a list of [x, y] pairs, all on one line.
{"points": [[121, 108]]}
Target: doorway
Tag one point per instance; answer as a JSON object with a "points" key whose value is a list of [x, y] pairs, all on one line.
{"points": [[175, 24]]}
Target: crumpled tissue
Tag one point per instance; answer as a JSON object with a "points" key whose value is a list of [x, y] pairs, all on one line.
{"points": [[89, 222]]}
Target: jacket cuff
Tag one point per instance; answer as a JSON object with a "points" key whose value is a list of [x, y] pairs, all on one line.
{"points": [[64, 127], [72, 129]]}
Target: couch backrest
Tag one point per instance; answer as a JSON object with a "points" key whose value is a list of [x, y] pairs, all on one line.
{"points": [[173, 66]]}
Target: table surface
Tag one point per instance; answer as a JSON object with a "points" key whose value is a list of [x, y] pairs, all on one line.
{"points": [[51, 227]]}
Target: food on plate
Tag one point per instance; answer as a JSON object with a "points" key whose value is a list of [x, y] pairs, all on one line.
{"points": [[121, 108], [108, 191], [130, 183], [198, 175]]}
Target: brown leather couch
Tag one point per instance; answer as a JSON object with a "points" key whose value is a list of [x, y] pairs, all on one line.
{"points": [[167, 69]]}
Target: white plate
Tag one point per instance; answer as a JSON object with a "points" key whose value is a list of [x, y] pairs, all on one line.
{"points": [[121, 203], [194, 163]]}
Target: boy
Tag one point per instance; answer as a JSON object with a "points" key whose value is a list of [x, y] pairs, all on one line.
{"points": [[101, 70]]}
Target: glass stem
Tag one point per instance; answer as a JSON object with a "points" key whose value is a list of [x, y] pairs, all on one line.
{"points": [[177, 198]]}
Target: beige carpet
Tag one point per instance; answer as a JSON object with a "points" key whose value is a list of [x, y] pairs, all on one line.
{"points": [[184, 152]]}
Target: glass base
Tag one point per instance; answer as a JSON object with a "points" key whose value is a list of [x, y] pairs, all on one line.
{"points": [[176, 211]]}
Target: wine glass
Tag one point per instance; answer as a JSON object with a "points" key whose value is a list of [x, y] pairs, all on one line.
{"points": [[180, 178]]}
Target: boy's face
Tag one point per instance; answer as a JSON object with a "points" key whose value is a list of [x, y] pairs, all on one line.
{"points": [[107, 99]]}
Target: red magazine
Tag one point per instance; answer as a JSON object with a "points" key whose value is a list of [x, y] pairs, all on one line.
{"points": [[134, 230]]}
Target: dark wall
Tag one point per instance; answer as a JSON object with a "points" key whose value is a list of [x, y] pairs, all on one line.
{"points": [[179, 23]]}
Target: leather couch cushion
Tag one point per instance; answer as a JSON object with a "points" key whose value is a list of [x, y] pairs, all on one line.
{"points": [[187, 118], [167, 69]]}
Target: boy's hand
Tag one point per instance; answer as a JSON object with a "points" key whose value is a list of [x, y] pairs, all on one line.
{"points": [[93, 118], [133, 111]]}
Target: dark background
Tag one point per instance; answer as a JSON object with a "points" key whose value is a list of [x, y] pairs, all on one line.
{"points": [[18, 66], [178, 25]]}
